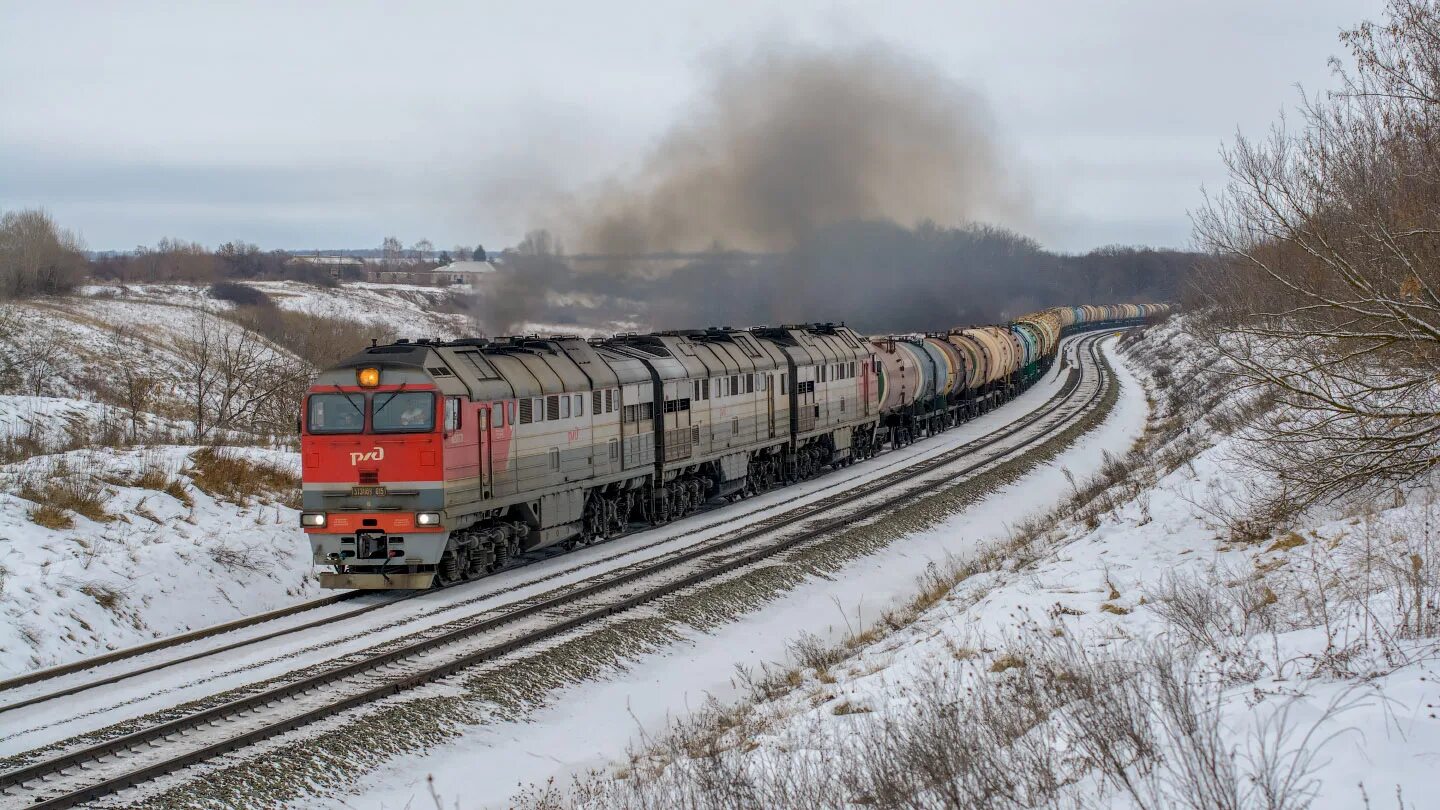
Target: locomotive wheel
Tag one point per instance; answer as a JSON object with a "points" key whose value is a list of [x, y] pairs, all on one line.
{"points": [[448, 571]]}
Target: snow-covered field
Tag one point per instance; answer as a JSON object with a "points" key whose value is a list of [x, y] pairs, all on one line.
{"points": [[409, 310], [149, 553], [104, 370], [1164, 644]]}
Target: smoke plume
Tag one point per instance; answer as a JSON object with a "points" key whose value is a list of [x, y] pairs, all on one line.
{"points": [[786, 140], [808, 185]]}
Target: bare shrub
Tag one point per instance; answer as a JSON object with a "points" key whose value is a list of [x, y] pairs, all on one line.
{"points": [[240, 558], [226, 474], [1326, 280], [105, 595], [59, 491], [239, 294], [240, 380], [318, 340], [1218, 613]]}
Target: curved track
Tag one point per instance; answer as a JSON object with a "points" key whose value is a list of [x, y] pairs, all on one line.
{"points": [[81, 770]]}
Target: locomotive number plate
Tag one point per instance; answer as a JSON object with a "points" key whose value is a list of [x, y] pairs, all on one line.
{"points": [[367, 492]]}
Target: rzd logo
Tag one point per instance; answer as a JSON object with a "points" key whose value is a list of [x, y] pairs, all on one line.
{"points": [[377, 454]]}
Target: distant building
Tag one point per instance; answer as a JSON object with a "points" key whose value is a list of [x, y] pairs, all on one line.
{"points": [[404, 271], [464, 272], [335, 264]]}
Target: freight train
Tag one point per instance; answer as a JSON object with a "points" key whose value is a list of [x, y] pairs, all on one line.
{"points": [[430, 462]]}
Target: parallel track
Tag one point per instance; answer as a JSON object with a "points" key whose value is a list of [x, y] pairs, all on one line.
{"points": [[569, 608]]}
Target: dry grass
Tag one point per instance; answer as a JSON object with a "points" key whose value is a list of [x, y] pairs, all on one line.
{"points": [[845, 707], [1007, 661], [105, 596], [59, 492], [50, 517], [227, 475]]}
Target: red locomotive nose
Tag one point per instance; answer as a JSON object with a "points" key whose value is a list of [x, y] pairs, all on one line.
{"points": [[385, 436]]}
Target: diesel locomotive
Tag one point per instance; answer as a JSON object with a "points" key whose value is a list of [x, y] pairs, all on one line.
{"points": [[429, 462]]}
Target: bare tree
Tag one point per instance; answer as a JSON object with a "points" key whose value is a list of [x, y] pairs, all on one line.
{"points": [[1328, 246], [10, 363], [393, 252], [241, 380], [37, 257], [199, 368], [257, 383], [422, 249], [135, 387]]}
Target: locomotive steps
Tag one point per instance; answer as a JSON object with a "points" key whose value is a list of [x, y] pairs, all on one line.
{"points": [[82, 772]]}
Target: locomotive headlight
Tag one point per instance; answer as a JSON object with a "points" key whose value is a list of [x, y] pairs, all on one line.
{"points": [[427, 519], [367, 377], [312, 520]]}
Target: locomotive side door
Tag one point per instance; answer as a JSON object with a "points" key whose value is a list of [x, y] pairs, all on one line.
{"points": [[770, 401], [865, 386], [483, 428]]}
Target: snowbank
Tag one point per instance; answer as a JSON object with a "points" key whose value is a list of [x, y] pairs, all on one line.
{"points": [[135, 550]]}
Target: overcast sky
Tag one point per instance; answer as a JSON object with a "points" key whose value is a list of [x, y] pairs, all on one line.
{"points": [[311, 124]]}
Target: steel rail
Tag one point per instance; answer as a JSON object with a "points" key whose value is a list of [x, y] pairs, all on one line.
{"points": [[170, 641]]}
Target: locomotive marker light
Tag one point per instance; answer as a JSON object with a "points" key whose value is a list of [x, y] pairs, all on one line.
{"points": [[312, 519], [367, 377], [427, 519]]}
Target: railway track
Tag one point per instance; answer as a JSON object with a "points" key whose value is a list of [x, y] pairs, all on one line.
{"points": [[84, 771]]}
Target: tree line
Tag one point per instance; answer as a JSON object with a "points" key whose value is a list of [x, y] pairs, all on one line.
{"points": [[40, 257]]}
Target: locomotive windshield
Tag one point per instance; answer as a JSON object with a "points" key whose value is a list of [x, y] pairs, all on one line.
{"points": [[403, 412], [336, 413]]}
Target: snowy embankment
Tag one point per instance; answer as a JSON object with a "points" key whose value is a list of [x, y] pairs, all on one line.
{"points": [[1151, 643], [111, 531], [104, 549], [590, 725]]}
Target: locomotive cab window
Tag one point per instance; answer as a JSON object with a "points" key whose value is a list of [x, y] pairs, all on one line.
{"points": [[336, 413], [403, 412], [452, 414]]}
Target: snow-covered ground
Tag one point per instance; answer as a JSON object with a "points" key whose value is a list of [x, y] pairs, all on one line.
{"points": [[591, 726], [1148, 645], [409, 310], [148, 554]]}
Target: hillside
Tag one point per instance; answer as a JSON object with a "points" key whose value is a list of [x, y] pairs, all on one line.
{"points": [[402, 309], [120, 520]]}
